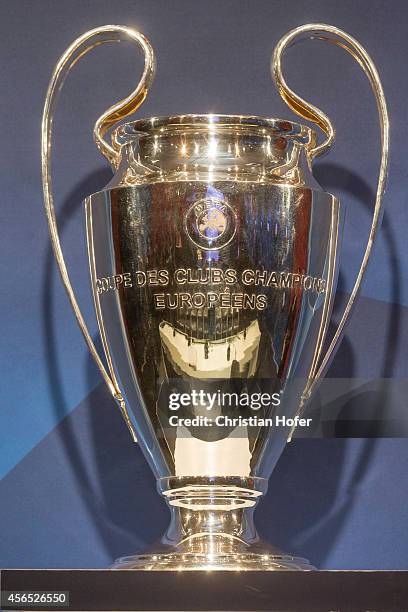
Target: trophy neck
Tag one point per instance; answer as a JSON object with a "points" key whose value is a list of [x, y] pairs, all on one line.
{"points": [[213, 148], [212, 516], [211, 531]]}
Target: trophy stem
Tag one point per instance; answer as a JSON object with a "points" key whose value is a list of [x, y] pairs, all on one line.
{"points": [[212, 528]]}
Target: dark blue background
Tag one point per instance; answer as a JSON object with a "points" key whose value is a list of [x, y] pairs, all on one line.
{"points": [[75, 491]]}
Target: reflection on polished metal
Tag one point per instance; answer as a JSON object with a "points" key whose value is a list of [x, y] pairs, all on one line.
{"points": [[213, 258]]}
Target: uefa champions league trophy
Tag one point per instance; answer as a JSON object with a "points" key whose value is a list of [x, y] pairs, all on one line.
{"points": [[213, 256]]}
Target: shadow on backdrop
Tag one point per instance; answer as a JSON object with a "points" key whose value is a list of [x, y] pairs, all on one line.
{"points": [[339, 179], [116, 482], [312, 516], [77, 451]]}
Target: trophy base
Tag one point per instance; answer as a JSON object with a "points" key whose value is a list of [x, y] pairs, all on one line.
{"points": [[213, 562], [212, 529]]}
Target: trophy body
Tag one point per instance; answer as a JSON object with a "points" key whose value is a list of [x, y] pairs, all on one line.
{"points": [[214, 281], [213, 258]]}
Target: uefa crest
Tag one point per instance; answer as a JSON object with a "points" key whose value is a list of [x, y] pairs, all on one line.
{"points": [[210, 223]]}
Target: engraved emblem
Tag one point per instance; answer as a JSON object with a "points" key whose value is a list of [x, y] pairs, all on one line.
{"points": [[210, 223]]}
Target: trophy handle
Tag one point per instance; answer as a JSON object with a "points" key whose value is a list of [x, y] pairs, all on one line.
{"points": [[308, 111], [115, 113]]}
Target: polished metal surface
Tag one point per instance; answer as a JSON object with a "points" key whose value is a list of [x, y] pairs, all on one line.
{"points": [[153, 287], [213, 257]]}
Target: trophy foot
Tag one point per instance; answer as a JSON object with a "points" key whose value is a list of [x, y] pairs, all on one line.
{"points": [[213, 562], [212, 528]]}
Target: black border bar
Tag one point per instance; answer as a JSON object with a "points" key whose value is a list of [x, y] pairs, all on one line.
{"points": [[286, 591]]}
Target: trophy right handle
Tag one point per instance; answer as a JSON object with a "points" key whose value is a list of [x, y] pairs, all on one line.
{"points": [[308, 111], [115, 113]]}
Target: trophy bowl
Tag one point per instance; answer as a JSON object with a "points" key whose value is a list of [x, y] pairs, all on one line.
{"points": [[213, 258]]}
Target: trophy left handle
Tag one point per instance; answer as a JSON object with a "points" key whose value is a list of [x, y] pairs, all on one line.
{"points": [[306, 110], [80, 47]]}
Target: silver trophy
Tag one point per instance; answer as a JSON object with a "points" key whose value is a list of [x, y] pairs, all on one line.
{"points": [[213, 257]]}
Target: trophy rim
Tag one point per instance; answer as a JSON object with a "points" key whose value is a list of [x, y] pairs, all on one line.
{"points": [[166, 124]]}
